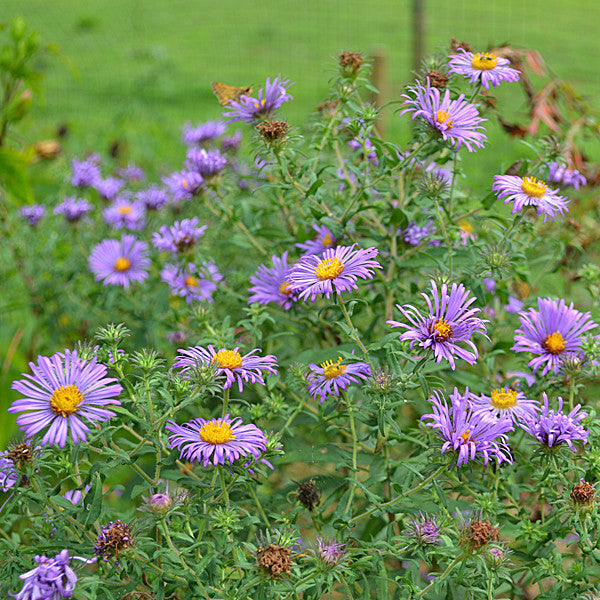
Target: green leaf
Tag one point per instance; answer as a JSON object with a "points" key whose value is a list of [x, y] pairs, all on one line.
{"points": [[14, 178]]}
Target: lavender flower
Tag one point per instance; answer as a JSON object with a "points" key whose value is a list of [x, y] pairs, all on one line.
{"points": [[337, 270], [229, 363], [414, 235], [272, 285], [560, 173], [489, 284], [553, 428], [331, 553], [191, 283], [73, 209], [553, 333], [32, 214], [450, 320], [120, 262], [179, 237], [252, 110], [232, 142], [483, 67], [202, 133], [470, 434], [183, 185], [8, 474], [514, 305], [131, 173], [456, 121], [86, 173], [76, 496], [323, 241], [53, 578], [218, 441], [209, 163], [425, 530], [126, 214], [504, 402], [152, 198], [529, 191], [357, 144], [108, 188], [332, 378], [63, 391]]}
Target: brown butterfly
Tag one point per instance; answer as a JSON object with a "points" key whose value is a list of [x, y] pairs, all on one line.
{"points": [[225, 93]]}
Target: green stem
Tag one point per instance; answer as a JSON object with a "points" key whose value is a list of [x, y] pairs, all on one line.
{"points": [[225, 401], [442, 576], [258, 505], [516, 221], [438, 212], [352, 328], [354, 453], [571, 390]]}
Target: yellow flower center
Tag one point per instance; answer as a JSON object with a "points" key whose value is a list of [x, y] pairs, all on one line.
{"points": [[227, 359], [191, 281], [184, 184], [327, 241], [122, 264], [261, 105], [285, 288], [466, 227], [443, 118], [554, 343], [216, 432], [504, 398], [466, 435], [534, 188], [124, 210], [332, 370], [65, 400], [484, 61], [329, 268], [442, 329]]}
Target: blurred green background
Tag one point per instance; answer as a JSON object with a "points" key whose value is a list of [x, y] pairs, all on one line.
{"points": [[133, 72]]}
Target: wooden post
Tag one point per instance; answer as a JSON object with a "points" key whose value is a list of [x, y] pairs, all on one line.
{"points": [[380, 81], [418, 33]]}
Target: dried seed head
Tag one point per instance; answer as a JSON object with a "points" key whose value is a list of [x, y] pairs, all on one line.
{"points": [[583, 493], [21, 454], [328, 108], [455, 45], [437, 79], [273, 131], [113, 539], [350, 63], [274, 560], [479, 533], [309, 494]]}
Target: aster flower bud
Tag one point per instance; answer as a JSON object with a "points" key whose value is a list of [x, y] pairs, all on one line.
{"points": [[331, 553], [425, 530], [350, 64], [112, 334]]}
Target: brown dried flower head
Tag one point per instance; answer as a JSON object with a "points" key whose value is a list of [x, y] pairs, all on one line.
{"points": [[350, 62], [21, 454], [437, 79], [583, 493], [113, 539], [273, 131], [328, 108], [309, 494], [455, 45], [479, 533], [274, 560]]}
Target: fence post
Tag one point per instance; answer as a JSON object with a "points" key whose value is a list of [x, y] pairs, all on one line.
{"points": [[380, 81], [418, 12]]}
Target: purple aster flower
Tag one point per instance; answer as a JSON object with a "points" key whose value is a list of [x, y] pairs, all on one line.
{"points": [[414, 235], [152, 198], [560, 173], [357, 144], [119, 262], [450, 320], [323, 241], [482, 67], [337, 270], [470, 434], [177, 338], [86, 173], [131, 173], [229, 363], [489, 284], [347, 177], [232, 142], [457, 121], [505, 402], [52, 579], [216, 441], [271, 285], [519, 377], [514, 305], [124, 213], [425, 530], [32, 214], [8, 474], [62, 392], [191, 283], [209, 163], [73, 209], [76, 496], [179, 237], [554, 332], [202, 133], [331, 378], [108, 188], [183, 185], [529, 191], [251, 110], [331, 552], [553, 428]]}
